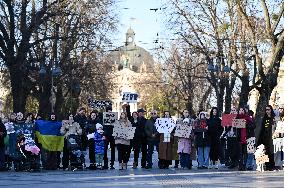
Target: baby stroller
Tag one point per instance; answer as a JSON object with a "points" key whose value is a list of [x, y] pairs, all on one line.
{"points": [[26, 158], [76, 155]]}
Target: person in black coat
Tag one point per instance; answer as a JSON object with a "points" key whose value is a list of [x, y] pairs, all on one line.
{"points": [[108, 130], [3, 133], [81, 118], [265, 137], [91, 128], [215, 130], [202, 141]]}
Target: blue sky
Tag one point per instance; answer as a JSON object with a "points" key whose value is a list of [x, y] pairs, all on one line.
{"points": [[146, 23]]}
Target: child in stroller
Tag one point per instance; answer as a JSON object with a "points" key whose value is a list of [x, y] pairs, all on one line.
{"points": [[27, 158], [72, 153]]}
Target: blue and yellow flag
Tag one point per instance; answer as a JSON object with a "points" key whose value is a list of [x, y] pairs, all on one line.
{"points": [[49, 136]]}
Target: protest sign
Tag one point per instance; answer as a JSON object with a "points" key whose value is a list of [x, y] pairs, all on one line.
{"points": [[99, 104], [251, 145], [165, 125], [239, 123], [279, 127], [227, 119], [123, 132], [109, 118], [183, 130], [129, 97]]}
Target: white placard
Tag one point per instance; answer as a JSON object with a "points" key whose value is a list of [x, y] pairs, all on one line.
{"points": [[183, 130], [165, 125], [279, 127], [167, 137], [129, 97], [123, 132], [251, 145], [109, 118]]}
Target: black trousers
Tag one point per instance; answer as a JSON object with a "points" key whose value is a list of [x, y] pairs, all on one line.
{"points": [[92, 151], [110, 140], [243, 155], [233, 150], [65, 158], [140, 145], [123, 150]]}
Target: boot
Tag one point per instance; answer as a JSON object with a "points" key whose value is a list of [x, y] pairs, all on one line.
{"points": [[120, 166], [135, 165]]}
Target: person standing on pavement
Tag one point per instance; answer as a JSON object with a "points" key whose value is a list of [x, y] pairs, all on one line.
{"points": [[108, 130], [184, 146], [153, 137], [3, 133], [122, 144], [202, 140], [81, 118], [215, 130], [90, 129], [265, 137], [166, 148]]}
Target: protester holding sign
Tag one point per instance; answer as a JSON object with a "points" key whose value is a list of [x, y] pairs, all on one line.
{"points": [[215, 130], [202, 141], [122, 143], [242, 138], [166, 148], [265, 137], [108, 131], [278, 139], [232, 151], [184, 145]]}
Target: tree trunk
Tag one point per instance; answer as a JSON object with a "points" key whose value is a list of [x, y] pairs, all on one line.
{"points": [[44, 102], [17, 88], [264, 96], [244, 91], [189, 105], [220, 101], [229, 93]]}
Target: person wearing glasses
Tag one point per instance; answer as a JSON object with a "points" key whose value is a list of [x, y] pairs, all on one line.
{"points": [[153, 137], [265, 137], [278, 134]]}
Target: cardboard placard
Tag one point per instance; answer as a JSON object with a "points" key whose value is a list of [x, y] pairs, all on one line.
{"points": [[129, 97], [165, 125], [183, 130], [239, 123], [99, 104], [227, 119], [10, 127], [123, 132], [251, 145], [109, 118], [278, 144], [260, 156], [279, 127]]}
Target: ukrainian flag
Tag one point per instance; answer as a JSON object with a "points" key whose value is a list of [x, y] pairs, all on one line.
{"points": [[49, 136]]}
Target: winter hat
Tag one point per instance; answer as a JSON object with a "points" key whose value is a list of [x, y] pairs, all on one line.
{"points": [[98, 125], [186, 120]]}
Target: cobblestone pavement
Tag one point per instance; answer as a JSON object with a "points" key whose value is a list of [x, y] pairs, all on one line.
{"points": [[155, 178]]}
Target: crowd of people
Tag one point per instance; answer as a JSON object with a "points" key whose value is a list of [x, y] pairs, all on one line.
{"points": [[209, 143]]}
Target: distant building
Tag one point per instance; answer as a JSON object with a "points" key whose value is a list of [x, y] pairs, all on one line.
{"points": [[276, 97], [133, 70]]}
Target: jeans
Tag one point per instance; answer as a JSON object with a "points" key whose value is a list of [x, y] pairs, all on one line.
{"points": [[250, 160], [203, 156], [150, 151], [184, 160]]}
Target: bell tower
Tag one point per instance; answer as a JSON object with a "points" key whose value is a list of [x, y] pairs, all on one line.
{"points": [[130, 35]]}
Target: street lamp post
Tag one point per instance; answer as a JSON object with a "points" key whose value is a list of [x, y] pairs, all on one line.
{"points": [[55, 72]]}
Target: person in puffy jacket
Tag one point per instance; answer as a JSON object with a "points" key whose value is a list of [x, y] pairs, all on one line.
{"points": [[99, 141]]}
